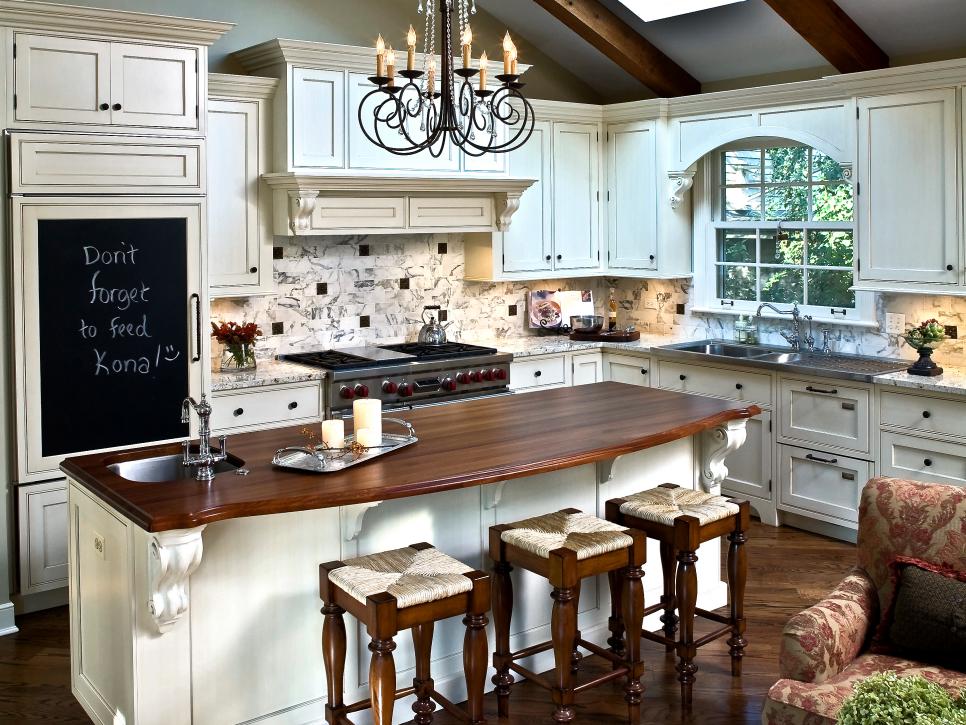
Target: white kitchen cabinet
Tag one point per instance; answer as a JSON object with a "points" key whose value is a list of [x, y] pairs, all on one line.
{"points": [[922, 459], [239, 216], [821, 485], [576, 196], [629, 369], [907, 204], [528, 243], [826, 413], [750, 467], [735, 383], [439, 212], [586, 368], [631, 196], [75, 81], [267, 407], [538, 372], [318, 119], [42, 513]]}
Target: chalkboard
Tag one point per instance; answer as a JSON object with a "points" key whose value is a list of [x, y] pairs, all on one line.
{"points": [[114, 345]]}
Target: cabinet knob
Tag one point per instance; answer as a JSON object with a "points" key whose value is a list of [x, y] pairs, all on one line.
{"points": [[739, 386], [293, 405], [239, 411], [926, 414], [643, 371], [116, 107], [253, 270], [538, 373], [105, 106], [949, 268], [683, 377], [927, 462], [651, 257], [559, 257], [549, 257]]}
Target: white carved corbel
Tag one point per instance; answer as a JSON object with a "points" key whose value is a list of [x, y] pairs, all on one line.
{"points": [[174, 556], [492, 495], [507, 204], [681, 183], [352, 517], [301, 206], [605, 470], [846, 170], [716, 445]]}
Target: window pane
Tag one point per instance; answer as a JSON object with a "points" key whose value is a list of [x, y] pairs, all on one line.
{"points": [[830, 288], [782, 285], [741, 167], [825, 168], [742, 204], [830, 249], [786, 164], [784, 247], [786, 203], [737, 283], [736, 245], [832, 203]]}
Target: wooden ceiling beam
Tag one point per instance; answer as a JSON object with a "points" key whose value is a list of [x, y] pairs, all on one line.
{"points": [[622, 44], [826, 27]]}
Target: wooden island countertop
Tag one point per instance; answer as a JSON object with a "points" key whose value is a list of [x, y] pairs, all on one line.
{"points": [[460, 445]]}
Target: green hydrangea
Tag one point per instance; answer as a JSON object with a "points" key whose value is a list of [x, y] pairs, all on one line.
{"points": [[887, 699]]}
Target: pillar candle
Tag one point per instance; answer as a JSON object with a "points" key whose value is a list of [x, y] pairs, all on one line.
{"points": [[368, 438], [333, 433], [367, 414]]}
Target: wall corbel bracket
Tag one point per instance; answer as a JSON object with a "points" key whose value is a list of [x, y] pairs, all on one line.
{"points": [[352, 518], [681, 183], [301, 206], [716, 445], [507, 204], [173, 557]]}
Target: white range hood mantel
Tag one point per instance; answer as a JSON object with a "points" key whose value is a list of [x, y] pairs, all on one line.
{"points": [[393, 199]]}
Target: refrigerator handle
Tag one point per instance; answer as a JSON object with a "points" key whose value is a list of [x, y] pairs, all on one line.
{"points": [[196, 298]]}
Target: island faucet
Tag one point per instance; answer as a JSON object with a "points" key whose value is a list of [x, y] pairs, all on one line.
{"points": [[204, 459], [794, 338]]}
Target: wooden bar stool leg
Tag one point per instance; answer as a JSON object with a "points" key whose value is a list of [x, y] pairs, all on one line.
{"points": [[502, 612], [563, 630], [632, 602], [577, 657], [475, 646], [686, 542], [737, 578], [668, 599], [615, 622], [382, 680], [333, 655], [423, 681]]}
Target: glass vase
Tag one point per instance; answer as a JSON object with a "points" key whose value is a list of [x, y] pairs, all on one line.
{"points": [[238, 358]]}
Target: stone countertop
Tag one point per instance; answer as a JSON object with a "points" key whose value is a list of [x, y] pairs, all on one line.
{"points": [[952, 381], [268, 372], [529, 345]]}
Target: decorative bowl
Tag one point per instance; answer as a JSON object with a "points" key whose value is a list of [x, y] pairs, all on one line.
{"points": [[588, 324]]}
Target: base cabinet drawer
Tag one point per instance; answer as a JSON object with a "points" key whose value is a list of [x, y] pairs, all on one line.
{"points": [[536, 373], [267, 407], [821, 484], [825, 413], [628, 369], [42, 514], [740, 385], [921, 413], [921, 459]]}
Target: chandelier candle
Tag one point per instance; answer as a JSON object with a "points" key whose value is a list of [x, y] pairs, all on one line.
{"points": [[380, 57], [391, 65], [411, 49], [483, 62], [509, 53], [467, 41]]}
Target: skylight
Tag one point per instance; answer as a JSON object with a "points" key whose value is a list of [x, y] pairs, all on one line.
{"points": [[648, 10]]}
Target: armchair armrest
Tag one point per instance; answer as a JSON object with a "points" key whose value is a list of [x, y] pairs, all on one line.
{"points": [[820, 641]]}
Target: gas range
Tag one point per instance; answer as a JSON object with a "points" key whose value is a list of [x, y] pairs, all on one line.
{"points": [[408, 374]]}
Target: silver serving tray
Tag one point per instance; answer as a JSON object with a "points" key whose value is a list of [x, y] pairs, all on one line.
{"points": [[309, 459]]}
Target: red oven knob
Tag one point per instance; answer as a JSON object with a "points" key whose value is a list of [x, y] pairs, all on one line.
{"points": [[462, 378], [405, 390], [476, 376], [362, 390], [389, 387], [499, 374], [347, 392], [449, 384], [487, 374]]}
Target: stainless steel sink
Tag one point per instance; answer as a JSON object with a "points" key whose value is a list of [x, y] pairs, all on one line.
{"points": [[165, 468], [724, 349], [782, 358]]}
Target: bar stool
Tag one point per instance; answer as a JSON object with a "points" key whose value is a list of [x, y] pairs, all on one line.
{"points": [[565, 547], [409, 588], [681, 520]]}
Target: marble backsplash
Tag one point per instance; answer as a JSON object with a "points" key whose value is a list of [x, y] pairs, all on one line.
{"points": [[345, 291]]}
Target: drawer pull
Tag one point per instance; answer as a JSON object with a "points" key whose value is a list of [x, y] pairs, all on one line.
{"points": [[927, 462], [926, 414], [848, 476], [239, 411], [813, 389], [739, 386], [537, 373], [643, 371], [293, 405], [848, 406], [683, 377], [819, 459]]}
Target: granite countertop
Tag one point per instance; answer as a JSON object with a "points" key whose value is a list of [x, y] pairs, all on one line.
{"points": [[528, 345], [953, 380], [268, 372]]}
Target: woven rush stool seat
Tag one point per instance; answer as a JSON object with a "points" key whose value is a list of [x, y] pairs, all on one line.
{"points": [[565, 547], [408, 588], [682, 519]]}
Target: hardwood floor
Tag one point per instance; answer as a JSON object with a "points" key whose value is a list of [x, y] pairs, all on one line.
{"points": [[788, 571]]}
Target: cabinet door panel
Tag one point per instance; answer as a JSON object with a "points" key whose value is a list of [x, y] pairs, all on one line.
{"points": [[43, 536], [318, 108], [527, 243], [154, 86], [62, 80], [586, 369], [627, 369], [576, 184], [749, 468], [908, 230], [920, 459], [632, 197], [826, 413], [822, 484]]}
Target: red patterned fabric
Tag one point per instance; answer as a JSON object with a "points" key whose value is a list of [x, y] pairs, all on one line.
{"points": [[821, 649]]}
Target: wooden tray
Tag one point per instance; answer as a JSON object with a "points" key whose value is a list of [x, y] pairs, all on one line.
{"points": [[615, 336]]}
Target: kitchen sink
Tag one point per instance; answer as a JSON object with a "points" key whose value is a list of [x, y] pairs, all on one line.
{"points": [[723, 349], [783, 358], [166, 468]]}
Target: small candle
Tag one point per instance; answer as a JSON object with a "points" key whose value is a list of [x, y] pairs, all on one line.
{"points": [[391, 64], [483, 61], [367, 414], [431, 77], [467, 41], [411, 45], [333, 433], [381, 57], [368, 438], [508, 48]]}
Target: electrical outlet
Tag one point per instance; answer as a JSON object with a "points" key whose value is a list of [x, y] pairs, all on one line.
{"points": [[952, 332], [100, 545], [895, 323]]}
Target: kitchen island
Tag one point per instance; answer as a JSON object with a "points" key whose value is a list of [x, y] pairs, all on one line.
{"points": [[198, 602]]}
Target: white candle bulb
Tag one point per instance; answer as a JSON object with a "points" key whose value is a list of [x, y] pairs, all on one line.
{"points": [[508, 48]]}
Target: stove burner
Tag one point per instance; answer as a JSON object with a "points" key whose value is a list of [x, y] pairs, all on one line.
{"points": [[331, 359], [446, 351]]}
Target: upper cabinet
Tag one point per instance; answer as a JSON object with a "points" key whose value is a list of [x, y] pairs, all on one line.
{"points": [[631, 196], [576, 196], [908, 224], [528, 244], [66, 82], [317, 133]]}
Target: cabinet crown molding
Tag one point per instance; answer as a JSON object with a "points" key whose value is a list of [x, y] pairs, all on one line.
{"points": [[379, 185], [30, 15], [225, 85]]}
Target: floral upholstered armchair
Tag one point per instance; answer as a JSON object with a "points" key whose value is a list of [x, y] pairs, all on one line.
{"points": [[825, 649]]}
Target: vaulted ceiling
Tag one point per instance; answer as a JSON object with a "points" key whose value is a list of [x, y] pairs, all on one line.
{"points": [[738, 45]]}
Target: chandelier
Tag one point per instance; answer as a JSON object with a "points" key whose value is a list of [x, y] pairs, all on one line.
{"points": [[431, 108]]}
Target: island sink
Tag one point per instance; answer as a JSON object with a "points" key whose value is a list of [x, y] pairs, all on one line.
{"points": [[160, 469]]}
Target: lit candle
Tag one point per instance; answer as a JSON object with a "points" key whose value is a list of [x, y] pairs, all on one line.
{"points": [[367, 414], [391, 64], [431, 77], [411, 44], [483, 61], [508, 48], [333, 433], [467, 41], [381, 57]]}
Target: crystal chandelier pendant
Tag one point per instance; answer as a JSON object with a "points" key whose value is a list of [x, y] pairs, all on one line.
{"points": [[410, 111]]}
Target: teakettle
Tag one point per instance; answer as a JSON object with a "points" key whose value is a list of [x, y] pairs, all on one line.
{"points": [[432, 333]]}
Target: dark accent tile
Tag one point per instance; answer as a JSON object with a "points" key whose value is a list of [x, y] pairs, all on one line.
{"points": [[364, 321], [952, 332], [278, 328], [404, 283], [363, 250], [278, 252], [442, 316], [442, 248], [322, 288], [513, 310], [679, 309]]}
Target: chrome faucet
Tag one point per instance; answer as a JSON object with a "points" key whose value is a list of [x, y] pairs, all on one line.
{"points": [[827, 342], [794, 338], [204, 459]]}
